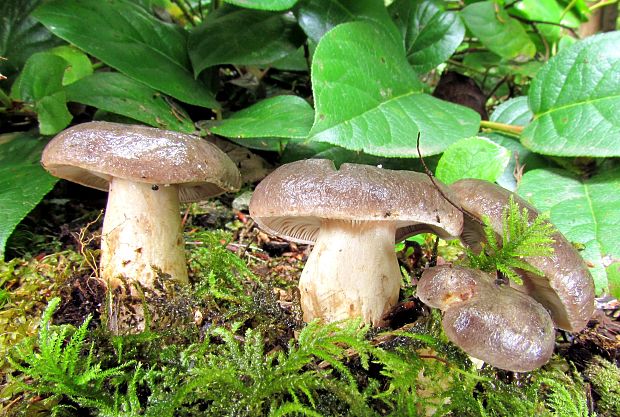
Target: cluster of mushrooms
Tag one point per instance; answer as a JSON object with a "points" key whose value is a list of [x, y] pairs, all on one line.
{"points": [[353, 215]]}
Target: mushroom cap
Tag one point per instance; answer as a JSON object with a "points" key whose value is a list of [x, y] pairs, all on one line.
{"points": [[93, 153], [292, 200], [566, 289], [497, 324]]}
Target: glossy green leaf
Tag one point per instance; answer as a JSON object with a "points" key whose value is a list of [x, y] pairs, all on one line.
{"points": [[278, 117], [23, 182], [40, 84], [317, 17], [124, 36], [475, 157], [575, 98], [546, 11], [272, 5], [117, 93], [498, 31], [586, 212], [21, 35], [431, 34], [79, 65], [243, 37], [379, 107]]}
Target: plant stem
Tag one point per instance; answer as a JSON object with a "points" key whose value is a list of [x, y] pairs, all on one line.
{"points": [[5, 99], [512, 130]]}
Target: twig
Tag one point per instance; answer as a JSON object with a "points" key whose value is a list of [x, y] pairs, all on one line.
{"points": [[544, 22]]}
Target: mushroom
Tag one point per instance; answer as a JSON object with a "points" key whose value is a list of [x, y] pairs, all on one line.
{"points": [[147, 172], [491, 322], [353, 215], [566, 289]]}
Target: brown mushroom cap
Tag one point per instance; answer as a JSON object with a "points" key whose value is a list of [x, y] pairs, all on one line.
{"points": [[566, 289], [293, 199], [92, 153], [497, 324]]}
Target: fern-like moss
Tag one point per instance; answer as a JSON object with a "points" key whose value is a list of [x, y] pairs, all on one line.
{"points": [[520, 238]]}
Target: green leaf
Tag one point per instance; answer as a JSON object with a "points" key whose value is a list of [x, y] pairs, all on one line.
{"points": [[546, 11], [40, 83], [117, 93], [475, 157], [52, 113], [431, 34], [278, 117], [378, 107], [585, 211], [575, 99], [124, 36], [79, 64], [296, 150], [317, 17], [41, 76], [243, 37], [498, 31], [21, 35], [23, 182], [513, 112], [272, 5], [527, 159]]}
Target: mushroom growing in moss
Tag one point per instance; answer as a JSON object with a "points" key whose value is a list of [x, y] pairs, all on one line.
{"points": [[566, 287], [353, 216], [491, 322], [147, 172]]}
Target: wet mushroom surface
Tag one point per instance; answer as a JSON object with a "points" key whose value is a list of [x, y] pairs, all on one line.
{"points": [[492, 322], [566, 287], [353, 215]]}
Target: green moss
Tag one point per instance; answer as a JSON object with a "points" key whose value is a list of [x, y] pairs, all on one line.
{"points": [[26, 287], [605, 379]]}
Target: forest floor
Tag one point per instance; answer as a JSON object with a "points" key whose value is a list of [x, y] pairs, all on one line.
{"points": [[54, 252]]}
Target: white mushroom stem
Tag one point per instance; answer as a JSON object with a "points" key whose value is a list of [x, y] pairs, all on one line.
{"points": [[351, 272], [142, 235]]}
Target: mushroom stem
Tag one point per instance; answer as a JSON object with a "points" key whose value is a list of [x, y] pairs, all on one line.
{"points": [[141, 240], [351, 272]]}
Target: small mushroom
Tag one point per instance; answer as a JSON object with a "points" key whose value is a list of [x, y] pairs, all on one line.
{"points": [[566, 289], [491, 322], [147, 172], [353, 215]]}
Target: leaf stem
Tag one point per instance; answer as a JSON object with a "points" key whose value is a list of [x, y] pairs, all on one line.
{"points": [[5, 99], [512, 130]]}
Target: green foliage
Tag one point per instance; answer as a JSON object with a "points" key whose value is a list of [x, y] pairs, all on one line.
{"points": [[332, 369], [605, 379], [57, 363], [242, 36], [23, 182], [582, 209], [475, 157], [216, 271], [592, 99], [521, 238], [153, 52]]}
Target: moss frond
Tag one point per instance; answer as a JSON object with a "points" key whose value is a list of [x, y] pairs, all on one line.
{"points": [[521, 238]]}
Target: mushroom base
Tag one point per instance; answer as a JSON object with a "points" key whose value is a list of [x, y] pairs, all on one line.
{"points": [[141, 247], [351, 272]]}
